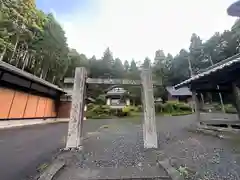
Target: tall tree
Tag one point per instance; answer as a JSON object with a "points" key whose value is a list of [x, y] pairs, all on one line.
{"points": [[118, 69], [126, 66], [147, 63], [196, 52]]}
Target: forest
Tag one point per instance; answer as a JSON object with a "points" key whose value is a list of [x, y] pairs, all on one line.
{"points": [[35, 42]]}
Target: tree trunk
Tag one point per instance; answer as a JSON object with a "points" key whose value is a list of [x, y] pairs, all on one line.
{"points": [[45, 76], [25, 61], [15, 48], [29, 61], [3, 53], [19, 54], [41, 76], [54, 77]]}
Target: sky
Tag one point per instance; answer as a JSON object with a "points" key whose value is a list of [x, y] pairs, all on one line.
{"points": [[135, 29]]}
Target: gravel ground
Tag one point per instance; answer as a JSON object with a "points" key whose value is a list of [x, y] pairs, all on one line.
{"points": [[116, 151], [120, 145], [204, 156]]}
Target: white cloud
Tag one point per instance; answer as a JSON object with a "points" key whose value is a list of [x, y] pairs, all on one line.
{"points": [[137, 28]]}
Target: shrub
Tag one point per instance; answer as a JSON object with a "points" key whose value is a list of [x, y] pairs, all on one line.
{"points": [[139, 108], [168, 107], [90, 106], [104, 111], [132, 108], [101, 99], [184, 107], [126, 111], [171, 107], [159, 107], [217, 106], [98, 111], [229, 108]]}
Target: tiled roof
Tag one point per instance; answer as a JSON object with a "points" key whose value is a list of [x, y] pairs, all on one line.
{"points": [[116, 91], [184, 91], [24, 74], [234, 9]]}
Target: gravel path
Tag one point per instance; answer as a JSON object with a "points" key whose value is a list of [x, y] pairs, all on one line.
{"points": [[117, 151]]}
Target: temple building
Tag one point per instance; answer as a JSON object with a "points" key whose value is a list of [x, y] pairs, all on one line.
{"points": [[117, 97]]}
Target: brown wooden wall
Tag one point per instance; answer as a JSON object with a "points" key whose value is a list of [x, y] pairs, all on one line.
{"points": [[17, 104], [64, 109]]}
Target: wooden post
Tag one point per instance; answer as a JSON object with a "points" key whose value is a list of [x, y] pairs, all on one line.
{"points": [[236, 93], [197, 105], [149, 127], [76, 116]]}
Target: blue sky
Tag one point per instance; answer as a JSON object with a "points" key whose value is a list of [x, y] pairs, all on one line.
{"points": [[137, 28], [63, 6]]}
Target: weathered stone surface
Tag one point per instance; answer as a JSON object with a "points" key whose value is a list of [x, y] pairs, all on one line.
{"points": [[149, 127], [112, 81], [197, 106], [236, 93], [76, 116]]}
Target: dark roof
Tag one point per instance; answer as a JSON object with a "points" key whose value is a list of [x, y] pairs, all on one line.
{"points": [[20, 73], [116, 91], [234, 9], [184, 91], [212, 70], [91, 99]]}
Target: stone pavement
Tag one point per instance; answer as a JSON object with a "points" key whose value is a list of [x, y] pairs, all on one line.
{"points": [[116, 152], [29, 122]]}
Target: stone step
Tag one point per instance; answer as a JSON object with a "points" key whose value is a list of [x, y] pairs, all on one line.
{"points": [[111, 173]]}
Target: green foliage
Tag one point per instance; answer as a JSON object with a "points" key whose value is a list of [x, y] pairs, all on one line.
{"points": [[35, 42], [159, 107], [132, 108], [32, 40], [101, 99], [139, 108], [173, 108], [217, 106], [103, 111], [98, 111], [229, 108]]}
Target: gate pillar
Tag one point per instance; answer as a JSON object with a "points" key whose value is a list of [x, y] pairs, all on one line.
{"points": [[149, 125], [75, 124]]}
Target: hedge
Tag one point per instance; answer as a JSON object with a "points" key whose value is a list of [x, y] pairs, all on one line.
{"points": [[171, 107]]}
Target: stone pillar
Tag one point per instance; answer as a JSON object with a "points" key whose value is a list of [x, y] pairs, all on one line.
{"points": [[76, 115], [149, 127], [236, 93], [108, 101], [197, 105], [85, 112], [128, 102]]}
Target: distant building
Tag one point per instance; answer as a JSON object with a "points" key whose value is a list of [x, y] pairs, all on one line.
{"points": [[117, 97], [182, 94], [158, 100]]}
